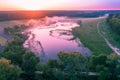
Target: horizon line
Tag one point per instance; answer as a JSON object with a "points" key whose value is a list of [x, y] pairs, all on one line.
{"points": [[69, 10]]}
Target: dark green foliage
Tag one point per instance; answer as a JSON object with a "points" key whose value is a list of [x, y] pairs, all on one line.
{"points": [[114, 22], [104, 72], [71, 65], [8, 71], [29, 62], [107, 66], [53, 63], [44, 72], [72, 61], [97, 60], [66, 68], [114, 25], [14, 51]]}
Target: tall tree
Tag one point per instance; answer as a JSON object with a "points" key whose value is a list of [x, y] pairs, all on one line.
{"points": [[29, 63]]}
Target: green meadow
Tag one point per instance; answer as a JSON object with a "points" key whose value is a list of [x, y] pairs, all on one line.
{"points": [[89, 36]]}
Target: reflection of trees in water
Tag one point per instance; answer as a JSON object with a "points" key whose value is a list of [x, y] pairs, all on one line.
{"points": [[35, 46], [62, 34]]}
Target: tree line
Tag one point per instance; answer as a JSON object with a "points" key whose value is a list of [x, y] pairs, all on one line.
{"points": [[20, 15], [114, 22]]}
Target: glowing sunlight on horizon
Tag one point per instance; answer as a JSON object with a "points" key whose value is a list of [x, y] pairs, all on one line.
{"points": [[58, 4]]}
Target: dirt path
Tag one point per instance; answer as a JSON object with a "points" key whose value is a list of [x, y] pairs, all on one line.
{"points": [[114, 48]]}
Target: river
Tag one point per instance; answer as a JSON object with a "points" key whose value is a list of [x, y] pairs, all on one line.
{"points": [[50, 35]]}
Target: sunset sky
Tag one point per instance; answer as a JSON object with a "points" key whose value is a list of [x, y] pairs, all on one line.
{"points": [[59, 4]]}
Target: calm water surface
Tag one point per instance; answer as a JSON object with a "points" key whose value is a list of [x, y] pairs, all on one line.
{"points": [[48, 36]]}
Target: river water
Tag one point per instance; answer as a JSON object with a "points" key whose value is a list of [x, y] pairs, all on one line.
{"points": [[50, 35]]}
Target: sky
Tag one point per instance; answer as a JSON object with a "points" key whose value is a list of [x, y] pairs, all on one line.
{"points": [[59, 4]]}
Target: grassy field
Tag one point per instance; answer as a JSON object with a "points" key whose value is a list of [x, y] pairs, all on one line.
{"points": [[90, 37], [3, 41], [12, 23], [113, 38]]}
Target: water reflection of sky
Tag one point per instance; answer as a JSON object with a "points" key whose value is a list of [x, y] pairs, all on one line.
{"points": [[54, 34]]}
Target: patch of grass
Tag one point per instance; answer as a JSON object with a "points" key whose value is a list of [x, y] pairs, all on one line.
{"points": [[3, 41], [89, 36]]}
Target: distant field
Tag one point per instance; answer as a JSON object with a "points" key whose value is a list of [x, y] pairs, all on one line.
{"points": [[90, 37], [3, 41], [12, 23], [20, 15]]}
